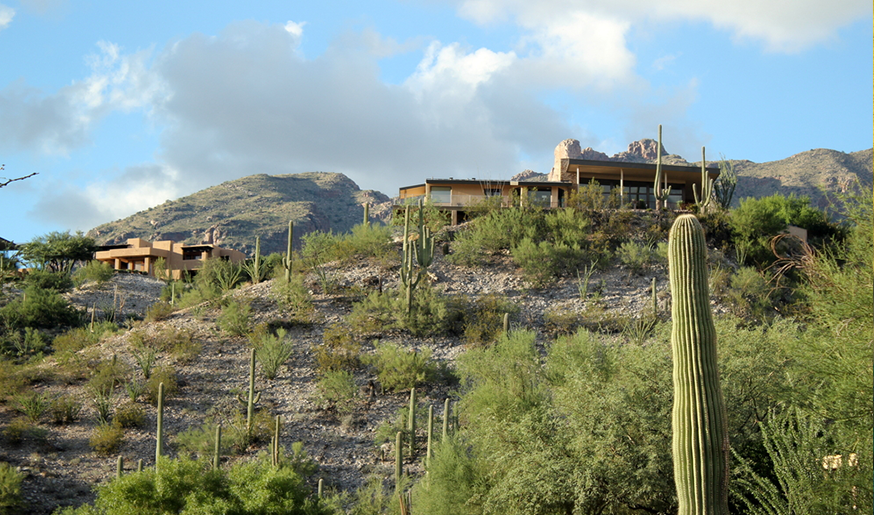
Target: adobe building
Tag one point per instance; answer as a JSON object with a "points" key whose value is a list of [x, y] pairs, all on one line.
{"points": [[140, 255], [635, 182]]}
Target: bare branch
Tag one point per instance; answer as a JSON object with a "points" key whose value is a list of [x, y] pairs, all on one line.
{"points": [[16, 179]]}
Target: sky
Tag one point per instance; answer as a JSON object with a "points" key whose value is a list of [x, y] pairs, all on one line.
{"points": [[120, 106]]}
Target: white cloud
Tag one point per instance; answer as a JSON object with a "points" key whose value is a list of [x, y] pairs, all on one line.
{"points": [[781, 25], [6, 15], [56, 123], [295, 29]]}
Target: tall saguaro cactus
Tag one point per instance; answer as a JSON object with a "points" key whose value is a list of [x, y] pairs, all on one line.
{"points": [[420, 251], [287, 260], [700, 434], [706, 186], [661, 194]]}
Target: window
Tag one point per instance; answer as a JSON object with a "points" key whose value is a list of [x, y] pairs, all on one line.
{"points": [[441, 194]]}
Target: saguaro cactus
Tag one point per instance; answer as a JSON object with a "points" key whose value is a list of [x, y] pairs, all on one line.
{"points": [[661, 194], [287, 260], [420, 251], [700, 435], [159, 432], [706, 186]]}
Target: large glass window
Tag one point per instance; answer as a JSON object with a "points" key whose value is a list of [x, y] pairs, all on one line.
{"points": [[441, 194]]}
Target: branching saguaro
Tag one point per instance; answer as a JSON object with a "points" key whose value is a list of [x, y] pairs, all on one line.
{"points": [[700, 433]]}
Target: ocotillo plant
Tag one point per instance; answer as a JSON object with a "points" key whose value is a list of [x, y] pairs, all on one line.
{"points": [[159, 437], [661, 194], [706, 186], [411, 422], [700, 435], [287, 261]]}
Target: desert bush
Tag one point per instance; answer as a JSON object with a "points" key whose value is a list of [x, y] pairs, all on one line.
{"points": [[23, 346], [236, 318], [21, 428], [94, 271], [398, 368], [338, 350], [33, 405], [159, 311], [272, 351], [106, 439], [384, 312], [39, 307], [561, 321], [749, 294], [163, 374], [484, 318], [10, 489], [293, 297], [499, 230], [130, 415], [47, 280], [337, 389], [145, 356], [199, 441], [636, 256], [78, 338], [64, 409]]}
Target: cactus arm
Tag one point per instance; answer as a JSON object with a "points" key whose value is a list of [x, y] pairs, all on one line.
{"points": [[700, 436], [250, 404], [430, 434], [706, 186], [445, 419]]}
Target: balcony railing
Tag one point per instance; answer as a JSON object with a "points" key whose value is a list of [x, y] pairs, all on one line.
{"points": [[456, 200]]}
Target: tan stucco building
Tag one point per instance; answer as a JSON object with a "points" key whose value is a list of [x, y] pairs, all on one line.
{"points": [[634, 180], [140, 255]]}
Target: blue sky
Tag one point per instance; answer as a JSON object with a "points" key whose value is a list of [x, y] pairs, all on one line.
{"points": [[120, 106]]}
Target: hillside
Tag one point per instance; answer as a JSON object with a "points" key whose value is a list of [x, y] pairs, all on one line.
{"points": [[231, 214], [806, 173]]}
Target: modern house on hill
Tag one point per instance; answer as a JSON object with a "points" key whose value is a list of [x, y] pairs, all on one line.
{"points": [[140, 255], [633, 180]]}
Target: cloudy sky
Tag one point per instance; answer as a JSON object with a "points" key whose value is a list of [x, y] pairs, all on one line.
{"points": [[120, 106]]}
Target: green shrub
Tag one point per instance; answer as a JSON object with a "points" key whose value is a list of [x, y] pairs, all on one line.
{"points": [[47, 280], [337, 388], [159, 311], [199, 441], [10, 489], [166, 375], [561, 321], [23, 428], [78, 338], [65, 409], [398, 368], [106, 439], [130, 415], [636, 256], [272, 351], [293, 297], [380, 313], [338, 350], [39, 307], [484, 318], [748, 294], [94, 271], [33, 405], [236, 318]]}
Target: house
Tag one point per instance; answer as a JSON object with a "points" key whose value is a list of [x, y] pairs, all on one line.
{"points": [[633, 180], [140, 255]]}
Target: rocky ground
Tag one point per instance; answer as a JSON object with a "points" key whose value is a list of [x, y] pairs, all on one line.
{"points": [[62, 469]]}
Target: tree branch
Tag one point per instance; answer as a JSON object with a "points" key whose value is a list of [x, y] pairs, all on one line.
{"points": [[16, 179]]}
